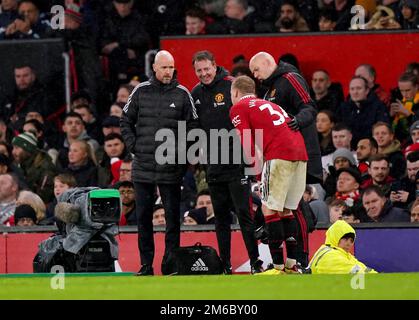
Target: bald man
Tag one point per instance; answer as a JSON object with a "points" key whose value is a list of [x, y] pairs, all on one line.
{"points": [[160, 103], [287, 88]]}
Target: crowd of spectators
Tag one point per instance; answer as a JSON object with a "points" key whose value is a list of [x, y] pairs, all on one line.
{"points": [[369, 139]]}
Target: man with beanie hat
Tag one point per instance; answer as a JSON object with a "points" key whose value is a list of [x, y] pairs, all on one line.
{"points": [[25, 216], [341, 158], [36, 165]]}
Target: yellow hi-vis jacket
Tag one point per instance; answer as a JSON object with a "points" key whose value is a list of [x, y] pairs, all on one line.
{"points": [[332, 259]]}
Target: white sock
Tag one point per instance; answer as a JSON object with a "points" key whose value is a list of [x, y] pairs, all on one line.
{"points": [[290, 263], [279, 266]]}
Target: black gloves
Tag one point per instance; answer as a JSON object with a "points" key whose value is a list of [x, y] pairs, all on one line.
{"points": [[293, 124]]}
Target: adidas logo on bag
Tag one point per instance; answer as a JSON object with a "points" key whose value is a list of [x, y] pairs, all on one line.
{"points": [[199, 265]]}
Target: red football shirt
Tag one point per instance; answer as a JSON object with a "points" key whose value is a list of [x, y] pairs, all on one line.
{"points": [[279, 141]]}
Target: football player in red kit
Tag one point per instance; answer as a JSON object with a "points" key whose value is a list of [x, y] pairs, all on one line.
{"points": [[284, 164]]}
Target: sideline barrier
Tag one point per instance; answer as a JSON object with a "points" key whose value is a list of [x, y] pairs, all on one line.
{"points": [[385, 247], [339, 53]]}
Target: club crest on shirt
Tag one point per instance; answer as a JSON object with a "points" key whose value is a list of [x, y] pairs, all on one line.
{"points": [[219, 97]]}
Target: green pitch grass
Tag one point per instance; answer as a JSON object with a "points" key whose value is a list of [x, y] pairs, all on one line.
{"points": [[127, 286]]}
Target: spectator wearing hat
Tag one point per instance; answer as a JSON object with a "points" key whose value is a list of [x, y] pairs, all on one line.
{"points": [[127, 192], [341, 158], [387, 144], [36, 165], [379, 171], [9, 188], [380, 209], [361, 110], [25, 216], [347, 186], [410, 14], [35, 201], [111, 125], [195, 216], [406, 111]]}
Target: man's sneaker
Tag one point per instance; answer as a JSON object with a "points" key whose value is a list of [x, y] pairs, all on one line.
{"points": [[261, 234], [295, 269], [228, 270], [256, 267], [146, 270]]}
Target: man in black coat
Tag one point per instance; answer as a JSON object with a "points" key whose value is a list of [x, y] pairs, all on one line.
{"points": [[286, 87], [30, 95], [124, 40], [361, 111], [227, 184], [161, 103]]}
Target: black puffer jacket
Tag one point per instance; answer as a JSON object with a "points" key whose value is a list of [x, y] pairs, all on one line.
{"points": [[287, 88], [213, 103], [153, 106]]}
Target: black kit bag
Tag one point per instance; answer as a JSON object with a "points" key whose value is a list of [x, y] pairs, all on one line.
{"points": [[196, 260]]}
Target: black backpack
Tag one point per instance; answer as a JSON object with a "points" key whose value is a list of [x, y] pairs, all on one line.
{"points": [[195, 260]]}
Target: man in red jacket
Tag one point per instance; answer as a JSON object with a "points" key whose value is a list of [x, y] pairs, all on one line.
{"points": [[284, 169]]}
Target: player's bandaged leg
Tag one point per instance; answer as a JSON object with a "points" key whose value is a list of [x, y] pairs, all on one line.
{"points": [[276, 237]]}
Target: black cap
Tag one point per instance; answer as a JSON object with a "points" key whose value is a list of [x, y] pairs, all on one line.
{"points": [[122, 1], [111, 121], [353, 172], [24, 211]]}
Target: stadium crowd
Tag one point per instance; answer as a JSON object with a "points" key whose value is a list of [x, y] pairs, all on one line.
{"points": [[369, 140]]}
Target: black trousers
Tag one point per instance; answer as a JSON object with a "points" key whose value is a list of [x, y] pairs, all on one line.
{"points": [[144, 196], [222, 196]]}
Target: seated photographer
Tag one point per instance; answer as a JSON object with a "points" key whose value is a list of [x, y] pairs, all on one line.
{"points": [[334, 256]]}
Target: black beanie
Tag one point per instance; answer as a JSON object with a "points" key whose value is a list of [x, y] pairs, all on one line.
{"points": [[25, 211]]}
